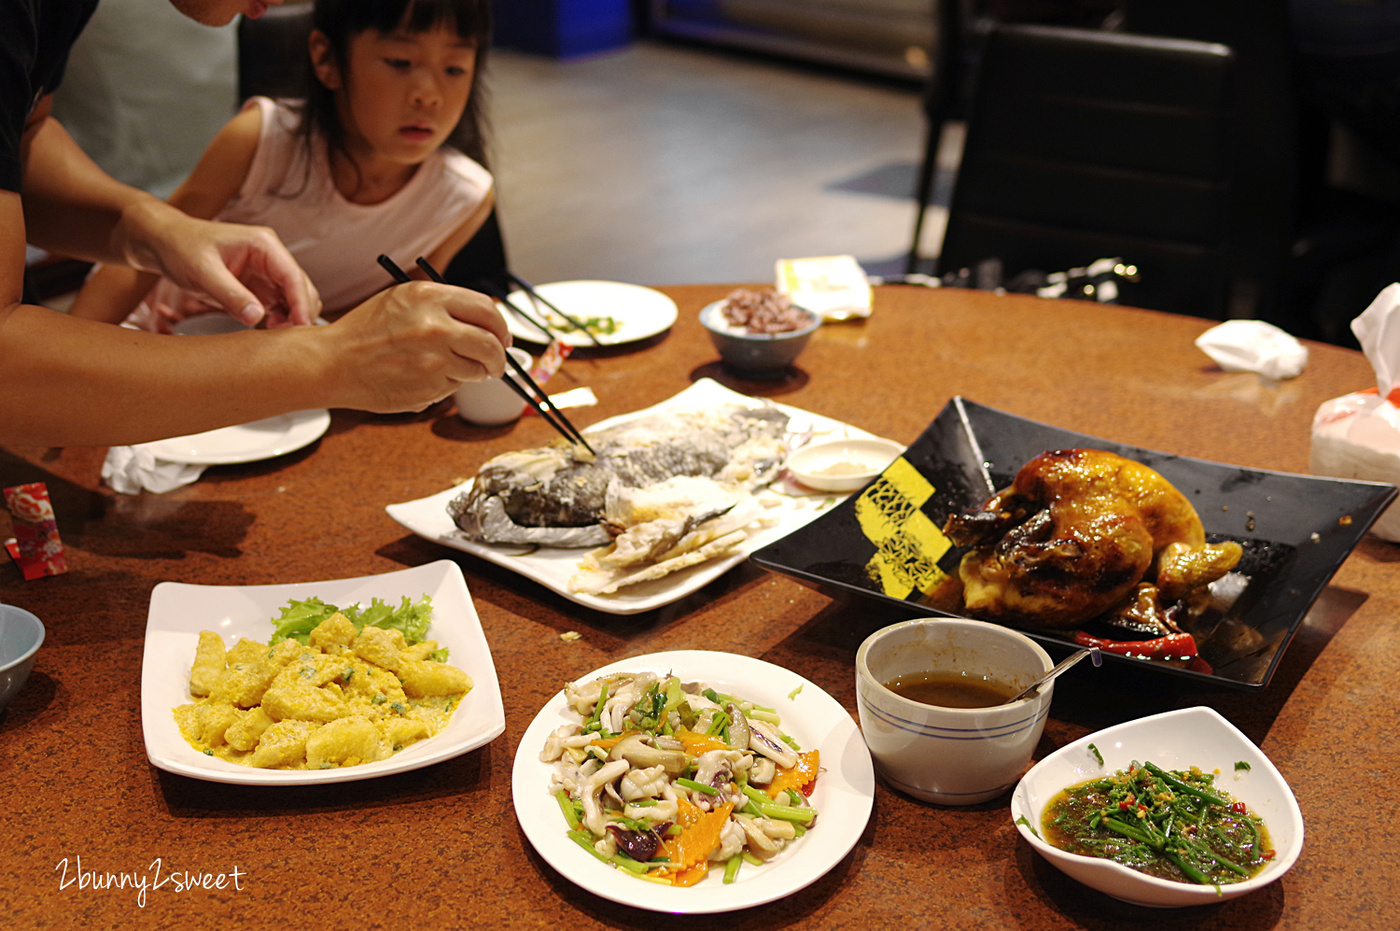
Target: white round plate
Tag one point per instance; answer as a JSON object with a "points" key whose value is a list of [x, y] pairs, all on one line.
{"points": [[640, 312], [843, 795], [249, 442]]}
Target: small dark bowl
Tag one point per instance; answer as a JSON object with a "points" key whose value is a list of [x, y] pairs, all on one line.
{"points": [[21, 635], [757, 355]]}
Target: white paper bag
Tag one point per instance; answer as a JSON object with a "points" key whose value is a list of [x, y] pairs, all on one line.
{"points": [[1358, 435]]}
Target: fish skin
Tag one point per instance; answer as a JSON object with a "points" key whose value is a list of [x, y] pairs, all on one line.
{"points": [[549, 497]]}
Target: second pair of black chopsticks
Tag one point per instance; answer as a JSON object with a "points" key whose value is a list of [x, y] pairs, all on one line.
{"points": [[542, 405], [534, 295], [489, 288]]}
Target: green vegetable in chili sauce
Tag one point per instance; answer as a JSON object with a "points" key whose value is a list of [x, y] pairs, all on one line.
{"points": [[1173, 825]]}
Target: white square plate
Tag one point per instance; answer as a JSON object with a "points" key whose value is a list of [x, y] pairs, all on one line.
{"points": [[179, 612], [552, 567]]}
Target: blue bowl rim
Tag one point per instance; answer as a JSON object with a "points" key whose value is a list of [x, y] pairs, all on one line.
{"points": [[39, 641]]}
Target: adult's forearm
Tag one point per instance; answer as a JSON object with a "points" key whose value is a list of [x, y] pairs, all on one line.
{"points": [[71, 206], [70, 382], [67, 382]]}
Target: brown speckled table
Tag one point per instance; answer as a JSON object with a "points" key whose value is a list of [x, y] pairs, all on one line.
{"points": [[439, 847]]}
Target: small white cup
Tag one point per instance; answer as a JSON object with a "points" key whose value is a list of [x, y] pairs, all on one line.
{"points": [[952, 756], [492, 402]]}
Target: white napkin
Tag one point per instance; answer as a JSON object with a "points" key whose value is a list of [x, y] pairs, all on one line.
{"points": [[129, 470], [1254, 346], [834, 287]]}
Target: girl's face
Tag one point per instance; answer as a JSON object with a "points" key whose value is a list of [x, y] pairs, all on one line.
{"points": [[402, 93]]}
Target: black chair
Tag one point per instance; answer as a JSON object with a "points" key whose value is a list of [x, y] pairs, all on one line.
{"points": [[1085, 144], [945, 98], [481, 264], [1266, 134], [273, 62], [960, 33]]}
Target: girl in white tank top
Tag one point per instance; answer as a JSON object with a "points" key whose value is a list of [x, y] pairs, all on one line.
{"points": [[384, 155]]}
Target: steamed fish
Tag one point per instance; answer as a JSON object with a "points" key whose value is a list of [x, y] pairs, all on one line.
{"points": [[554, 496], [683, 521]]}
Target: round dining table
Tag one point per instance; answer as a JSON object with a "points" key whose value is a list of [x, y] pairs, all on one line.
{"points": [[441, 847]]}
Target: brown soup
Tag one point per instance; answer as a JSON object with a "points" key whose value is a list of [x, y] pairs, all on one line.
{"points": [[951, 690]]}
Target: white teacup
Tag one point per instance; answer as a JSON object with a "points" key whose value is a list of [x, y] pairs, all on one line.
{"points": [[952, 756], [492, 402]]}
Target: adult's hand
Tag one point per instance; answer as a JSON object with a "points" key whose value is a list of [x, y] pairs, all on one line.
{"points": [[246, 270], [411, 345]]}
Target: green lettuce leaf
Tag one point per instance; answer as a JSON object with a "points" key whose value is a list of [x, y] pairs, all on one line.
{"points": [[411, 618]]}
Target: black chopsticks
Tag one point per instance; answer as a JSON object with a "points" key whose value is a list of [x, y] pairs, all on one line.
{"points": [[529, 289], [542, 404], [501, 296]]}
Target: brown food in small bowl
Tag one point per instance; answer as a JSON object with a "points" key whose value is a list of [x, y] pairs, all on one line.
{"points": [[759, 333], [763, 311]]}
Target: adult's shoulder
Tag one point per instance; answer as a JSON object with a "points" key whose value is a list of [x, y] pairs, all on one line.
{"points": [[33, 55]]}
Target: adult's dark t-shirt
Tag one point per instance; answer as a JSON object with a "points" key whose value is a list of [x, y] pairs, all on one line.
{"points": [[35, 37]]}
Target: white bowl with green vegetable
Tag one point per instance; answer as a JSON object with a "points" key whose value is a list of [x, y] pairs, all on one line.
{"points": [[1164, 818]]}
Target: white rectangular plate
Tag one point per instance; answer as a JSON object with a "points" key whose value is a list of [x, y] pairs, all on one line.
{"points": [[179, 612], [552, 567]]}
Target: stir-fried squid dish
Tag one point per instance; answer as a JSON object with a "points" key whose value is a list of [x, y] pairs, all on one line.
{"points": [[664, 492], [662, 779]]}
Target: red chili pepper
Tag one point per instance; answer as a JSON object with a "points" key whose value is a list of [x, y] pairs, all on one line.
{"points": [[1239, 808], [1170, 646]]}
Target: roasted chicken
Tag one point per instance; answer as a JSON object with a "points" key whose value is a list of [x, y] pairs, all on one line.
{"points": [[1075, 534]]}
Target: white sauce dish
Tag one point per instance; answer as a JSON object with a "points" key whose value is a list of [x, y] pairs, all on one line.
{"points": [[842, 465]]}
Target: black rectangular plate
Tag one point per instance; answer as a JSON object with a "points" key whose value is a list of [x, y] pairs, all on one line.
{"points": [[1296, 530]]}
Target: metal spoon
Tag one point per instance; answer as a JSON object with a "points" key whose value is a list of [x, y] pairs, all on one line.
{"points": [[1076, 657]]}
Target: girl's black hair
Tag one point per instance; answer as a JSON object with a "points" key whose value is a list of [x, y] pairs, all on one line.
{"points": [[342, 19]]}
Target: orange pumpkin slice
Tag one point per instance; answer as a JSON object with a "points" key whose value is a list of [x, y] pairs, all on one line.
{"points": [[690, 849], [696, 744], [607, 743], [799, 777]]}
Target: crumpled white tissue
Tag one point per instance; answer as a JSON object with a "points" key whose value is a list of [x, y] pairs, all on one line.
{"points": [[1254, 346], [1358, 435], [129, 470]]}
